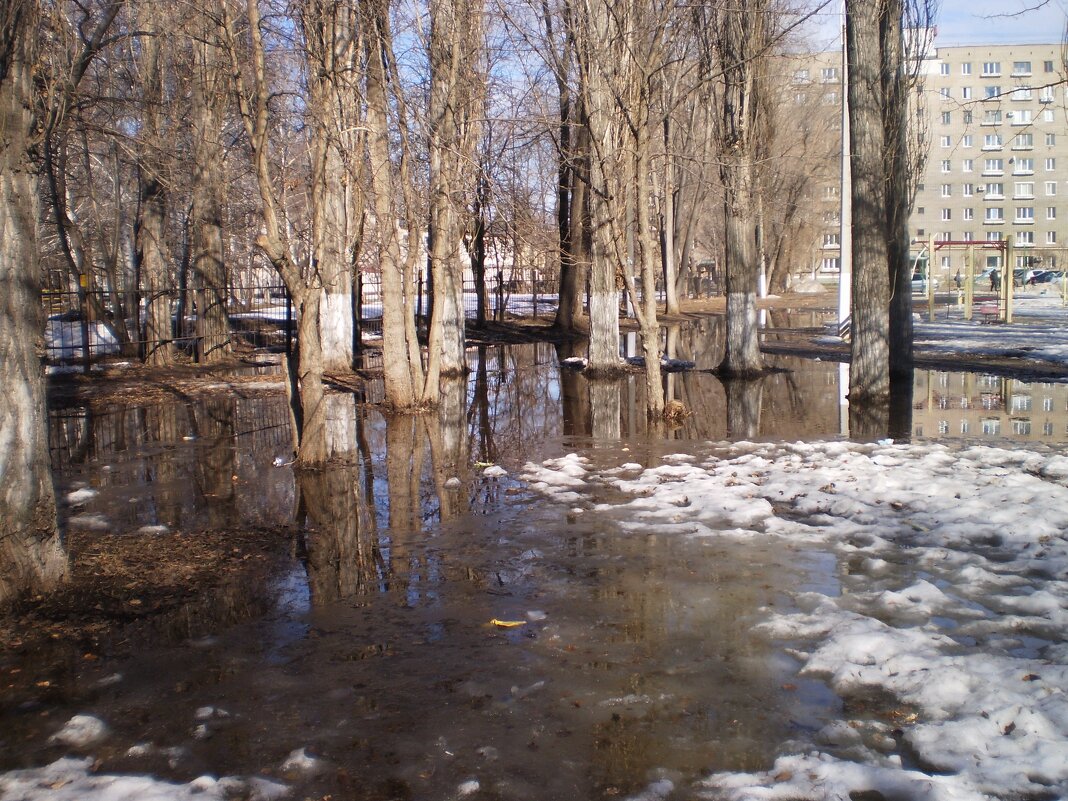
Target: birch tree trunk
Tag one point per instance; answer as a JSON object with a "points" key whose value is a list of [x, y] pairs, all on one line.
{"points": [[31, 555]]}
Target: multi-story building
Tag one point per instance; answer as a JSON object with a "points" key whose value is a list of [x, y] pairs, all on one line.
{"points": [[998, 143], [995, 123]]}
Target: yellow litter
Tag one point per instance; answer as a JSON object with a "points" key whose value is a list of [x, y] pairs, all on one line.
{"points": [[507, 624]]}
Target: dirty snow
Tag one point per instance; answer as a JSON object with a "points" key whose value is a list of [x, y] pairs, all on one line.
{"points": [[954, 601]]}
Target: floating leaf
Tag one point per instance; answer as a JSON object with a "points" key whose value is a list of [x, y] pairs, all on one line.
{"points": [[507, 624]]}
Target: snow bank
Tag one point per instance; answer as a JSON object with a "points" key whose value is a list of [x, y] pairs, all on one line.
{"points": [[71, 780], [953, 602]]}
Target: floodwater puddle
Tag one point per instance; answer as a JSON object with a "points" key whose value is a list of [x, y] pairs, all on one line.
{"points": [[435, 630]]}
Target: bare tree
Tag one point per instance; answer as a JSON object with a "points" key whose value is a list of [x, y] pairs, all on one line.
{"points": [[743, 37], [31, 555]]}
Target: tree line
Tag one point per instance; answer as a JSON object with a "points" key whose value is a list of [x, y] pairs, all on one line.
{"points": [[155, 146]]}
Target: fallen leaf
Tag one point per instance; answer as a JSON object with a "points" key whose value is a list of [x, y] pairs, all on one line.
{"points": [[507, 624]]}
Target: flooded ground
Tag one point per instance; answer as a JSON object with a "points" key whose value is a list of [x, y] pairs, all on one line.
{"points": [[372, 663]]}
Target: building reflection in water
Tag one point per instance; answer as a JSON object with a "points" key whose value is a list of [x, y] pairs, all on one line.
{"points": [[974, 406]]}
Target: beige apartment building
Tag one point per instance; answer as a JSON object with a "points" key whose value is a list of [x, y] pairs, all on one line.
{"points": [[997, 133]]}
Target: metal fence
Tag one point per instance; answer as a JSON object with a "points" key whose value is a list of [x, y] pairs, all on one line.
{"points": [[84, 326]]}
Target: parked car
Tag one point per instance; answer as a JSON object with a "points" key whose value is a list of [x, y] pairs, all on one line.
{"points": [[919, 284]]}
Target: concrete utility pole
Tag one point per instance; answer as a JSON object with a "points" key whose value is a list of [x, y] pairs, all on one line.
{"points": [[845, 213]]}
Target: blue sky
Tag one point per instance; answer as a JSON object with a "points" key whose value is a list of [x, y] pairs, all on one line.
{"points": [[1000, 22], [963, 22]]}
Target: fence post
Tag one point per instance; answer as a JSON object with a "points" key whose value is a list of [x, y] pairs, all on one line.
{"points": [[289, 325]]}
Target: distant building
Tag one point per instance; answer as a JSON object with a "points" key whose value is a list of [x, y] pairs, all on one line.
{"points": [[996, 127]]}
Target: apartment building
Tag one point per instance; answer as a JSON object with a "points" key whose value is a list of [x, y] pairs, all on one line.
{"points": [[994, 118], [998, 148]]}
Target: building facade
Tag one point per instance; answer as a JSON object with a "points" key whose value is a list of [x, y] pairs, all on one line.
{"points": [[996, 129]]}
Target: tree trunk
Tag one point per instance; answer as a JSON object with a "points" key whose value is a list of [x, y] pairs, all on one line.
{"points": [[402, 377], [329, 33], [152, 252], [895, 132], [743, 38], [869, 348], [214, 341], [31, 555]]}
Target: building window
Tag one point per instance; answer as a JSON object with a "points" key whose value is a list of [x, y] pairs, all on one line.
{"points": [[967, 189], [995, 191], [992, 236], [1047, 66], [992, 426], [1023, 93], [830, 240], [947, 190], [967, 165], [968, 214], [995, 214], [921, 232], [947, 214], [1051, 212], [1021, 116], [801, 76], [1021, 428], [966, 68], [830, 265], [1021, 68], [944, 91], [1025, 238], [946, 166], [991, 68], [966, 93], [1024, 167], [947, 141], [1025, 214], [994, 166], [1047, 429], [1051, 187], [1051, 165], [991, 92], [1023, 141], [967, 118], [1024, 190], [1051, 139], [944, 236], [992, 142], [992, 117], [943, 68], [947, 117], [945, 262], [829, 74], [1051, 237], [1048, 115], [1045, 94], [830, 192], [966, 140]]}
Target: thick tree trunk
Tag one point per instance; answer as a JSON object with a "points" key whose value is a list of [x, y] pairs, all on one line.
{"points": [[869, 348], [31, 555], [743, 38], [214, 341], [401, 378], [895, 132], [329, 38], [152, 252]]}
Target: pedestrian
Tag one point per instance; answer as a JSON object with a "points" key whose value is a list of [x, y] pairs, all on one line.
{"points": [[956, 279]]}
